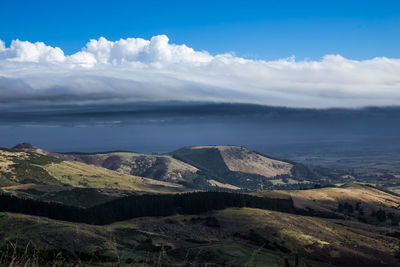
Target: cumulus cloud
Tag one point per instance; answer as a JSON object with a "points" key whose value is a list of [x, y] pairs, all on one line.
{"points": [[31, 52], [135, 69]]}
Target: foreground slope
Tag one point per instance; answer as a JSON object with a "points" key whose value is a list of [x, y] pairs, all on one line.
{"points": [[241, 236]]}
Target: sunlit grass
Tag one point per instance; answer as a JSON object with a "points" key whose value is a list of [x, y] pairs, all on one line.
{"points": [[82, 175]]}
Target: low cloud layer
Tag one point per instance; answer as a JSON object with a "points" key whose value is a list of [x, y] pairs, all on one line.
{"points": [[135, 69]]}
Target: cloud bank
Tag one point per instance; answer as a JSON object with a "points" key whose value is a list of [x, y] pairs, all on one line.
{"points": [[134, 69]]}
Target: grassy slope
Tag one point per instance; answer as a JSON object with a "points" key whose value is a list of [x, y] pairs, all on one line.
{"points": [[83, 175], [38, 176], [159, 167], [312, 238], [79, 197], [249, 170], [29, 167], [122, 242], [244, 236], [233, 166], [25, 167], [222, 159], [206, 159], [327, 199], [241, 159]]}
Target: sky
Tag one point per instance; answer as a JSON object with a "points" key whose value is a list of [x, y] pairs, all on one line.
{"points": [[315, 54], [265, 30]]}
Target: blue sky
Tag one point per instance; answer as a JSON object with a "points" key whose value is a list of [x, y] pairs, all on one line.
{"points": [[252, 29], [346, 53]]}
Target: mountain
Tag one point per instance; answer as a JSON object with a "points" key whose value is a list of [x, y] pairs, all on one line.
{"points": [[154, 166], [204, 167], [246, 169], [221, 159], [32, 172], [159, 167]]}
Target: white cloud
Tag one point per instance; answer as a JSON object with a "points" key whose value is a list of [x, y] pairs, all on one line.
{"points": [[83, 59], [157, 50], [135, 69], [31, 52], [2, 46]]}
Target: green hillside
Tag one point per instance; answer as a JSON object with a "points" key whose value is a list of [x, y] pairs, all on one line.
{"points": [[208, 160], [351, 201], [240, 236], [201, 167], [38, 176], [249, 170]]}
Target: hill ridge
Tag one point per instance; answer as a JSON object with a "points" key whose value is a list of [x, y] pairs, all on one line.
{"points": [[204, 167]]}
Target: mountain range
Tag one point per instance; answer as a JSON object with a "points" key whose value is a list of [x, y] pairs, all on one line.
{"points": [[41, 174]]}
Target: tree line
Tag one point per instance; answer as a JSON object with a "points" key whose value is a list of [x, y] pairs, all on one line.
{"points": [[143, 205]]}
